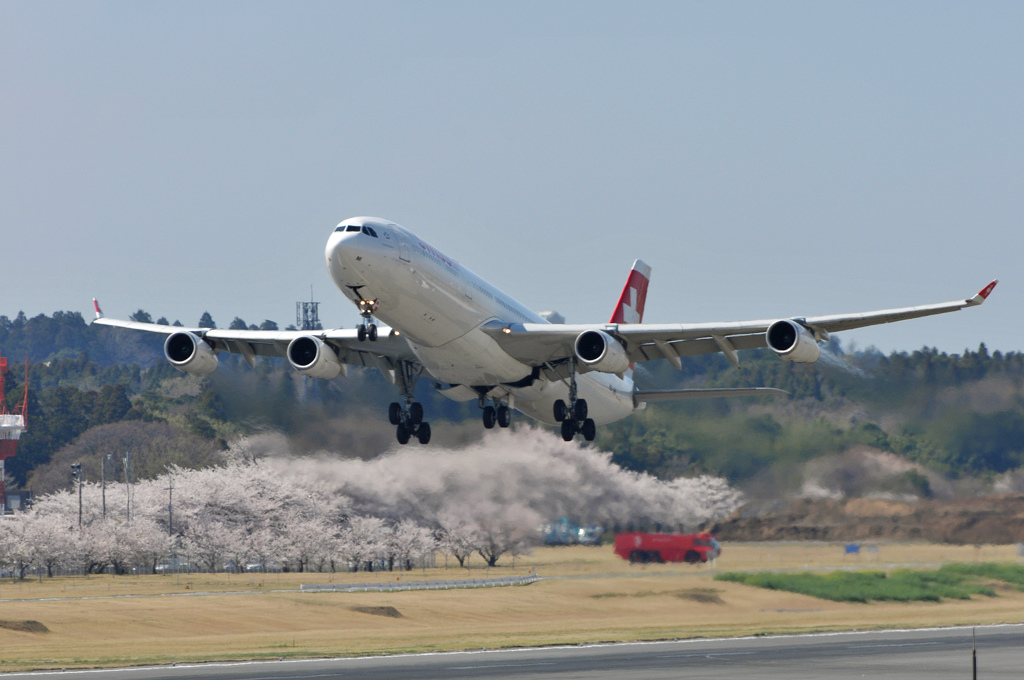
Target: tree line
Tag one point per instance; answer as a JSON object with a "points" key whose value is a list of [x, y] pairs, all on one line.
{"points": [[83, 378], [263, 507]]}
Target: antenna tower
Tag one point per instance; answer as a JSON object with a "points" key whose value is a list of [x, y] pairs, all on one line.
{"points": [[12, 424], [307, 314]]}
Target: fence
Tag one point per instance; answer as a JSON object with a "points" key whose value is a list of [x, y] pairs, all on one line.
{"points": [[420, 585]]}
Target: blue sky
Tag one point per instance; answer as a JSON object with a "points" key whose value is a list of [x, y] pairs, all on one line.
{"points": [[766, 159]]}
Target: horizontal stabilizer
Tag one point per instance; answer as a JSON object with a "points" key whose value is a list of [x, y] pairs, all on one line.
{"points": [[702, 393]]}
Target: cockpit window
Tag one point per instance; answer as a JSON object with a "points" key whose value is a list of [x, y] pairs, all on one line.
{"points": [[369, 231], [352, 227]]}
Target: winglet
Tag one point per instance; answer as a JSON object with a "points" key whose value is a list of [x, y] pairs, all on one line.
{"points": [[96, 306], [983, 294]]}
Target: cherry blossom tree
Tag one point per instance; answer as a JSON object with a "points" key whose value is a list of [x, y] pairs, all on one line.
{"points": [[458, 540], [310, 541], [50, 538], [408, 542], [265, 506], [15, 552], [207, 541], [362, 541]]}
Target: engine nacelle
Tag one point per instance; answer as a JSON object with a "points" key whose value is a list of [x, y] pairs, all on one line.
{"points": [[601, 352], [189, 353], [309, 355], [792, 342]]}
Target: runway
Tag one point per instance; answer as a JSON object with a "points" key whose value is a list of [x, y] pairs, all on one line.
{"points": [[922, 654]]}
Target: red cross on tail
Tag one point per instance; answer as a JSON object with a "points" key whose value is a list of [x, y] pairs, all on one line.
{"points": [[634, 296]]}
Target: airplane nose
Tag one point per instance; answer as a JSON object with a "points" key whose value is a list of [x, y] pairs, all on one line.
{"points": [[344, 249], [348, 256]]}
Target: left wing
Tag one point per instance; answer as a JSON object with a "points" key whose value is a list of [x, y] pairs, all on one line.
{"points": [[793, 338]]}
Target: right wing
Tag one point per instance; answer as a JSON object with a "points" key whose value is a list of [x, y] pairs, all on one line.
{"points": [[385, 353]]}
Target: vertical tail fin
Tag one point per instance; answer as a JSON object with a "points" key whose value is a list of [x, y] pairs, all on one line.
{"points": [[630, 308]]}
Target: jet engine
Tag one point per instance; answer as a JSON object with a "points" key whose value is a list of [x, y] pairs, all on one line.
{"points": [[601, 352], [312, 356], [189, 353], [792, 342]]}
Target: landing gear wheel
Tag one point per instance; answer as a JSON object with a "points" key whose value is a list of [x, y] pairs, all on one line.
{"points": [[361, 333], [588, 429], [490, 417], [395, 413], [402, 432], [568, 430], [560, 410], [371, 332], [423, 433], [580, 410], [415, 413], [504, 416]]}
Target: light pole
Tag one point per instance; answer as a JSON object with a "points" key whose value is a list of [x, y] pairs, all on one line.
{"points": [[170, 505], [76, 473], [103, 481], [128, 485]]}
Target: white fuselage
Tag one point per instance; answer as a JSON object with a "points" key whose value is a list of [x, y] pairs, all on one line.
{"points": [[439, 305]]}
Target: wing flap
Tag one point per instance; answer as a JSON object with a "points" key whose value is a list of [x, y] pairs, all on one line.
{"points": [[650, 396]]}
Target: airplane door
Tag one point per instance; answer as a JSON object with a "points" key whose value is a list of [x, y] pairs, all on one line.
{"points": [[403, 250]]}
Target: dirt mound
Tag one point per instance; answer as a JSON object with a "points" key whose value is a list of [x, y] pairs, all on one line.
{"points": [[701, 595], [24, 626], [990, 520], [390, 612]]}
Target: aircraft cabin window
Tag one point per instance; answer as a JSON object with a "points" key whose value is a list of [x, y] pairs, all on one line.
{"points": [[353, 227], [370, 231]]}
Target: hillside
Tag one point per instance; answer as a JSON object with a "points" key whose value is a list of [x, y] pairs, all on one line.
{"points": [[991, 520]]}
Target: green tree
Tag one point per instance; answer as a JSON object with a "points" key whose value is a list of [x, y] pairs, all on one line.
{"points": [[206, 321], [975, 442], [112, 404]]}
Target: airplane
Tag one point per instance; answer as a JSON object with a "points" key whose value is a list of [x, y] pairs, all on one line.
{"points": [[474, 342]]}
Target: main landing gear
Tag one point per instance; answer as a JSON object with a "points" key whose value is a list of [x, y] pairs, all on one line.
{"points": [[573, 416], [499, 414], [367, 330], [408, 419], [409, 422]]}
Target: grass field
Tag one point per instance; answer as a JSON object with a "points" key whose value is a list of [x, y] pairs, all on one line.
{"points": [[588, 595], [897, 585]]}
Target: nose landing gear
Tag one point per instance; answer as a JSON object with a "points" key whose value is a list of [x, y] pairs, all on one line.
{"points": [[368, 329]]}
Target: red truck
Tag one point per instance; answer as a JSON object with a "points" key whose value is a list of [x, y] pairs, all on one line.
{"points": [[691, 548]]}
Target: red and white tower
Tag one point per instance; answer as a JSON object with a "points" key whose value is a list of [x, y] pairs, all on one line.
{"points": [[12, 423]]}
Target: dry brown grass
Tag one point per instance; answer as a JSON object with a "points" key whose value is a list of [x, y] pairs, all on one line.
{"points": [[592, 597]]}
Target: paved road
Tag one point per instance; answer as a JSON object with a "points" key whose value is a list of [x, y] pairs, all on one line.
{"points": [[923, 655]]}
